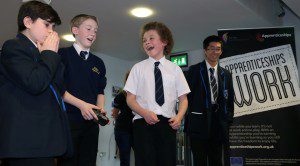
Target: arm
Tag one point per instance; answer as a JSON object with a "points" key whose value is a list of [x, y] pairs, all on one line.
{"points": [[101, 103], [149, 116], [30, 75], [85, 108], [175, 122], [230, 104], [115, 112]]}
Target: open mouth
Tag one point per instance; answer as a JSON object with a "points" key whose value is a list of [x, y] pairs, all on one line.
{"points": [[90, 39], [150, 48]]}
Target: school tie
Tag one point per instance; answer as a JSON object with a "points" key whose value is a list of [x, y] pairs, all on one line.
{"points": [[213, 84], [159, 88], [83, 54]]}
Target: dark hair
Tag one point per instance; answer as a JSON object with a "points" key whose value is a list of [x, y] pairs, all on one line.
{"points": [[163, 31], [212, 38], [35, 10], [80, 18]]}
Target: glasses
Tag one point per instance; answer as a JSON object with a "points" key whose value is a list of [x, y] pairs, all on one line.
{"points": [[215, 49]]}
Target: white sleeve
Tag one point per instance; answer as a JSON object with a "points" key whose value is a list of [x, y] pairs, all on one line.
{"points": [[182, 86], [132, 81]]}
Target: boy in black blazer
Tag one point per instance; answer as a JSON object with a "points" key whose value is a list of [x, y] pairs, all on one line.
{"points": [[211, 106], [33, 124]]}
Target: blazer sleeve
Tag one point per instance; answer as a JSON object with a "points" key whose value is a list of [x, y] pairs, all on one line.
{"points": [[230, 104], [21, 68]]}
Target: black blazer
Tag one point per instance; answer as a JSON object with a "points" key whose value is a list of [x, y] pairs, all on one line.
{"points": [[32, 122], [198, 119]]}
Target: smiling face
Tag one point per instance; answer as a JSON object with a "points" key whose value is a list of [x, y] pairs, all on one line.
{"points": [[37, 30], [213, 53], [153, 45], [86, 33]]}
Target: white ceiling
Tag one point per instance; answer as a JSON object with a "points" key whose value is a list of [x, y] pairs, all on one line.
{"points": [[190, 21], [294, 5]]}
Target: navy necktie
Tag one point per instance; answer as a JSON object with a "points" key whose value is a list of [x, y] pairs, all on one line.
{"points": [[213, 84], [159, 88], [83, 54]]}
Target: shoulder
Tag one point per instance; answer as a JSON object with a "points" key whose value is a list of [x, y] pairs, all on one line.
{"points": [[64, 51], [97, 59], [11, 43], [195, 67], [226, 72], [140, 65]]}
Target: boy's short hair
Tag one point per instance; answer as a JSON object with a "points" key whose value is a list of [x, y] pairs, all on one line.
{"points": [[163, 31], [80, 18], [212, 38], [35, 10]]}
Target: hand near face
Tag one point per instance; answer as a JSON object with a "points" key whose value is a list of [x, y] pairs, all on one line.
{"points": [[50, 43]]}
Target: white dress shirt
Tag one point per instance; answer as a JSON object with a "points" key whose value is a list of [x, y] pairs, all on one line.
{"points": [[141, 83], [79, 49]]}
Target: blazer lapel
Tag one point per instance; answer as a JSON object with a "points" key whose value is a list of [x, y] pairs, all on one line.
{"points": [[221, 77], [203, 70]]}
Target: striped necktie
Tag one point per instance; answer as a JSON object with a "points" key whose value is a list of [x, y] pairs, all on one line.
{"points": [[83, 54], [213, 84], [159, 88]]}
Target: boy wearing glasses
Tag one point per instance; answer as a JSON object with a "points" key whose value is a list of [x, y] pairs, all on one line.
{"points": [[210, 107]]}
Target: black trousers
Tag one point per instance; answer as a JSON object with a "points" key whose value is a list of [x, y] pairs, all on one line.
{"points": [[213, 151], [85, 143], [28, 162], [154, 145]]}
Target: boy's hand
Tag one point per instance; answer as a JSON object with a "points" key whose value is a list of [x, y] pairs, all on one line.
{"points": [[151, 118], [175, 122], [50, 43], [114, 113], [87, 111]]}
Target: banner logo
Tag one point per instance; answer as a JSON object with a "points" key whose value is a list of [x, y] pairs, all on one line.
{"points": [[264, 80]]}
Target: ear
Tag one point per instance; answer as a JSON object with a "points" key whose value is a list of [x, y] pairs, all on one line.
{"points": [[27, 21], [165, 43], [74, 30]]}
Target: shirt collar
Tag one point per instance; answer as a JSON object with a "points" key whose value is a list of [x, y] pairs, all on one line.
{"points": [[161, 61], [208, 66], [79, 49]]}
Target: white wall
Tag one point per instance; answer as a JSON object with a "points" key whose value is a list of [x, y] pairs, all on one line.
{"points": [[115, 72]]}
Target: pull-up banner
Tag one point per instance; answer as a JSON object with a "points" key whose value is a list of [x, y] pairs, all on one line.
{"points": [[266, 128]]}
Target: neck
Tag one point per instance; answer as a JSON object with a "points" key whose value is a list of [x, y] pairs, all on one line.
{"points": [[80, 45], [27, 34], [212, 64]]}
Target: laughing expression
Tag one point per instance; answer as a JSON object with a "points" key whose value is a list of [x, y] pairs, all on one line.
{"points": [[86, 33], [153, 45]]}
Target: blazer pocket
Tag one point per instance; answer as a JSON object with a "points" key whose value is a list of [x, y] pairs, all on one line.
{"points": [[197, 123]]}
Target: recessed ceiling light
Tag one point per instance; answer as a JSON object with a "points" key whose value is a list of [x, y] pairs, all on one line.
{"points": [[141, 12], [69, 37]]}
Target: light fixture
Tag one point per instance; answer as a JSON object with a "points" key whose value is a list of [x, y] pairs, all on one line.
{"points": [[141, 12], [69, 37]]}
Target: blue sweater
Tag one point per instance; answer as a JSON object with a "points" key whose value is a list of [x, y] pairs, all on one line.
{"points": [[85, 79]]}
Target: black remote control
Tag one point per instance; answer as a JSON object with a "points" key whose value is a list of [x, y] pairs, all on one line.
{"points": [[102, 119]]}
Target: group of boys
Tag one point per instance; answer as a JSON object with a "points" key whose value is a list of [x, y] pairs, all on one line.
{"points": [[37, 78]]}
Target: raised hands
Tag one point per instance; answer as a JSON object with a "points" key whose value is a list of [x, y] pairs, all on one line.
{"points": [[50, 43]]}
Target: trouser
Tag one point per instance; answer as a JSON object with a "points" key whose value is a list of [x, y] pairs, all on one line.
{"points": [[154, 145], [85, 144], [29, 162], [124, 140]]}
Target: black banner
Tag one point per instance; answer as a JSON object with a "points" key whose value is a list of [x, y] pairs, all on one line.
{"points": [[266, 129]]}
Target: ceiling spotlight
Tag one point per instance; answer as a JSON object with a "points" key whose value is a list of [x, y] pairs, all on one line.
{"points": [[141, 12], [45, 1], [69, 37]]}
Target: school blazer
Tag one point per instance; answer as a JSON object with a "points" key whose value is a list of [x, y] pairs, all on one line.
{"points": [[32, 122], [198, 119]]}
